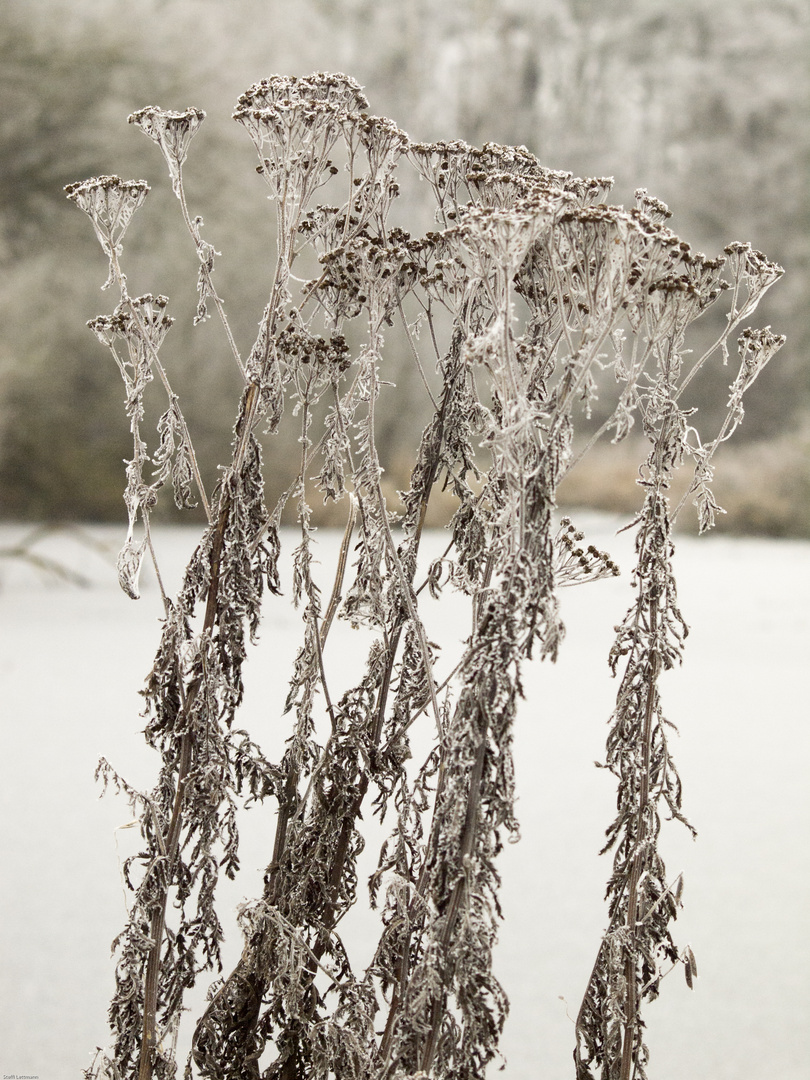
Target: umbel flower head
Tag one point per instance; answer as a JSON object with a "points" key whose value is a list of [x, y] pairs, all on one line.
{"points": [[109, 202], [141, 322], [336, 88], [172, 131], [498, 237], [294, 122]]}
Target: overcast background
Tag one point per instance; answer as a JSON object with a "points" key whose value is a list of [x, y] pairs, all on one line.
{"points": [[705, 103]]}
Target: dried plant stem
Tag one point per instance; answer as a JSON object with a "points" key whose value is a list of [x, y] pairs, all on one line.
{"points": [[171, 842], [181, 194], [158, 366], [631, 1009]]}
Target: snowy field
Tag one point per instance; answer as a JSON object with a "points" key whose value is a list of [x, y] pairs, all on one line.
{"points": [[73, 659]]}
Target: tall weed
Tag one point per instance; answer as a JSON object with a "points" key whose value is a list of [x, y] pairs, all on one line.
{"points": [[526, 287]]}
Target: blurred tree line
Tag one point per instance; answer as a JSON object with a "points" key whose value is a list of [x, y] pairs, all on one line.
{"points": [[705, 103]]}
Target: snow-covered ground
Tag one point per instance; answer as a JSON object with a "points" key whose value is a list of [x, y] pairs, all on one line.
{"points": [[73, 659]]}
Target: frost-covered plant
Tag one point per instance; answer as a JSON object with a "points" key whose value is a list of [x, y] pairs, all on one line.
{"points": [[529, 287]]}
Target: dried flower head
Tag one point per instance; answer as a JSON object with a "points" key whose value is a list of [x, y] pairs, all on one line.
{"points": [[652, 207], [172, 131], [500, 238], [332, 87], [109, 202]]}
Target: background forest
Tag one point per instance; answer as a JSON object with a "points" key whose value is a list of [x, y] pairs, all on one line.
{"points": [[705, 104]]}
